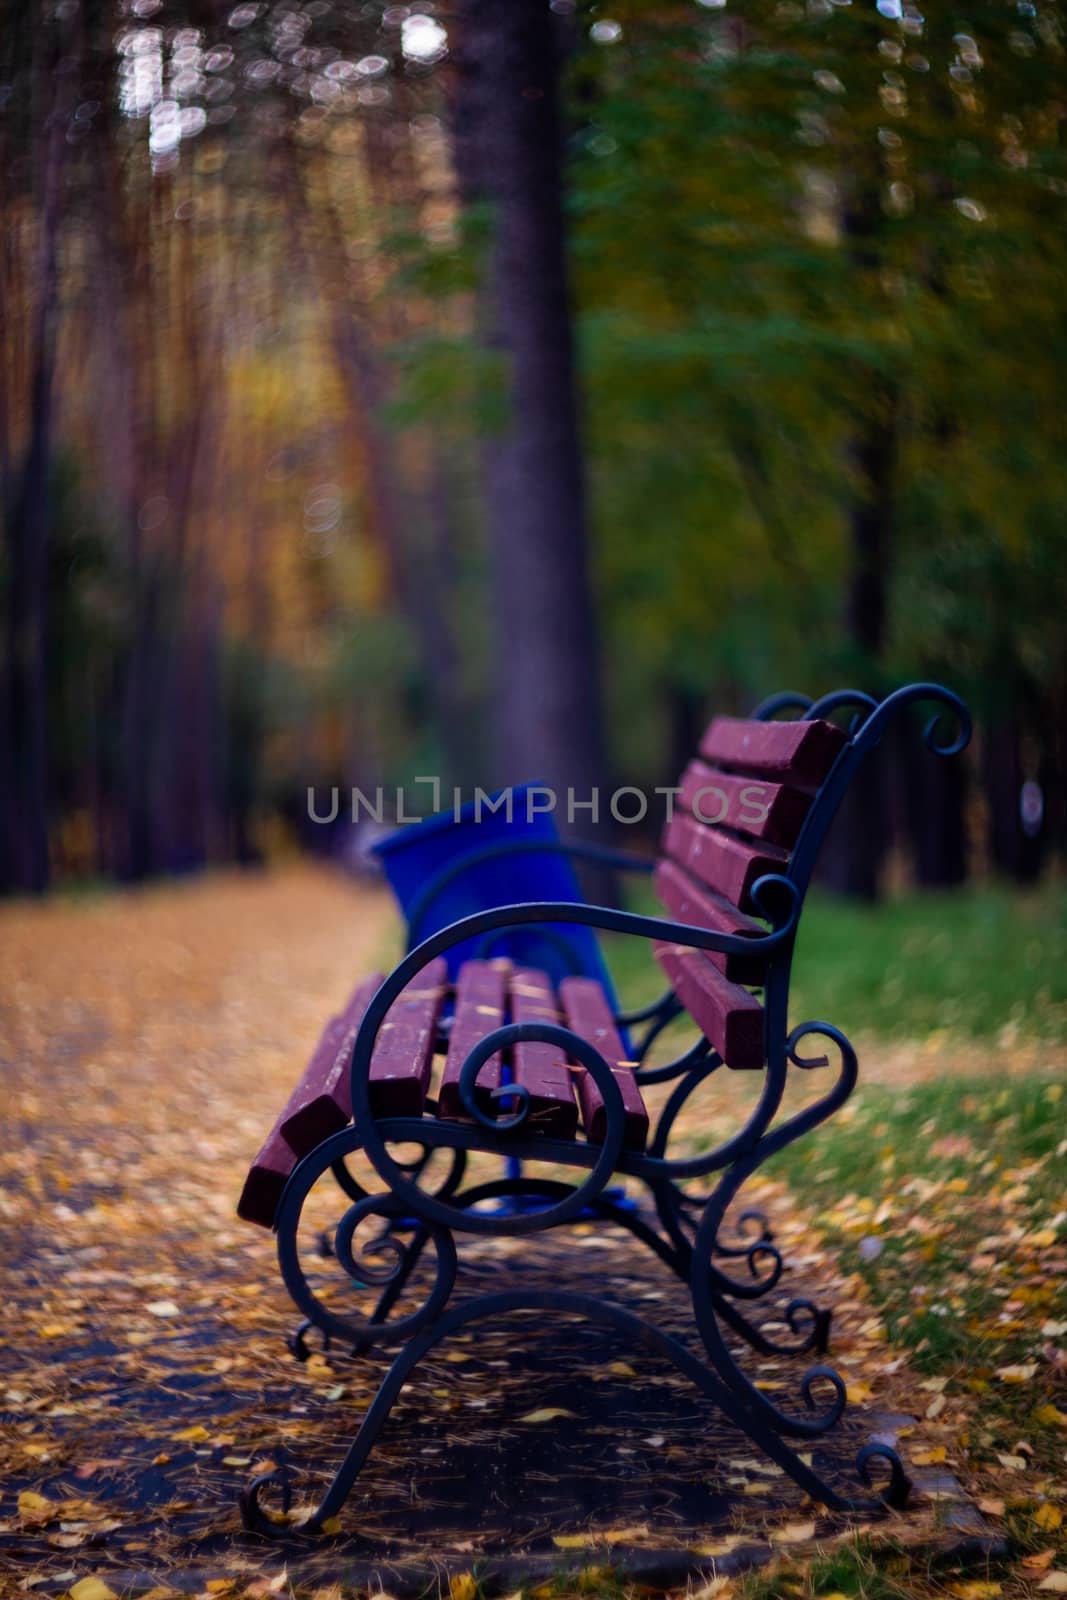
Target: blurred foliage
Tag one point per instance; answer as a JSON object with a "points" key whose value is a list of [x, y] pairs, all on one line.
{"points": [[272, 392]]}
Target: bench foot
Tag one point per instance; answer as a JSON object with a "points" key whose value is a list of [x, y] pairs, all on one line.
{"points": [[891, 1495]]}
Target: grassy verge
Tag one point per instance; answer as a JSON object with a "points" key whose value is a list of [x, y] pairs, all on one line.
{"points": [[948, 1199], [986, 963]]}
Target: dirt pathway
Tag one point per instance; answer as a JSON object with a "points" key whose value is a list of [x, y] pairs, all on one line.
{"points": [[146, 1041]]}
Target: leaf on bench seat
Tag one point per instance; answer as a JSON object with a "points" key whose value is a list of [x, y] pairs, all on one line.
{"points": [[588, 1011]]}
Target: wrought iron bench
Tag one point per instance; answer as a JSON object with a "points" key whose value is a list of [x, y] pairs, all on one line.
{"points": [[542, 1073]]}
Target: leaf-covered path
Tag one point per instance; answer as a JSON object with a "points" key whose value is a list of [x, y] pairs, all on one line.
{"points": [[147, 1040]]}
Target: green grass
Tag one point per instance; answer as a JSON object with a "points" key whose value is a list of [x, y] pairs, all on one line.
{"points": [[945, 1195], [947, 1198], [927, 1177], [984, 963], [988, 963]]}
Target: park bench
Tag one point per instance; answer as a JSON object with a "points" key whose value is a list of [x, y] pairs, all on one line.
{"points": [[501, 1060]]}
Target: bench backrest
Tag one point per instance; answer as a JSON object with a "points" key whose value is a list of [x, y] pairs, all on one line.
{"points": [[741, 809], [757, 801]]}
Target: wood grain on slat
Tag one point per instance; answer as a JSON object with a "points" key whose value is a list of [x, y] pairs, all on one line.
{"points": [[266, 1180], [730, 1017], [726, 863], [798, 752], [588, 1012], [321, 1102], [541, 1068], [481, 996], [403, 1051], [756, 806], [689, 901], [317, 1107]]}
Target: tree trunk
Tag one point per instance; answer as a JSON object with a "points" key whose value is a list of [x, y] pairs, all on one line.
{"points": [[548, 723], [24, 745], [860, 836], [936, 794], [1014, 850]]}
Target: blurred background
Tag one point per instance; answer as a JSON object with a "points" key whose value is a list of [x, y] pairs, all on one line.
{"points": [[494, 390]]}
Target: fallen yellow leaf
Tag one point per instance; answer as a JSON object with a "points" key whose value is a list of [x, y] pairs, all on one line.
{"points": [[92, 1589], [1020, 1372], [35, 1507], [1048, 1517], [858, 1391], [715, 1590], [991, 1507], [930, 1458], [723, 1547], [547, 1414], [794, 1533], [1044, 1238], [1056, 1582], [572, 1541], [1051, 1416], [461, 1586], [977, 1589], [196, 1434], [1040, 1559]]}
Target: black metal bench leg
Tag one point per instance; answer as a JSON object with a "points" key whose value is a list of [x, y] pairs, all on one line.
{"points": [[257, 1518], [396, 1286]]}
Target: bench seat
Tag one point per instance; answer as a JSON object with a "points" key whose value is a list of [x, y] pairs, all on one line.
{"points": [[486, 995]]}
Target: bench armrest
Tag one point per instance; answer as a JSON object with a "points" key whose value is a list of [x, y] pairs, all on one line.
{"points": [[619, 860]]}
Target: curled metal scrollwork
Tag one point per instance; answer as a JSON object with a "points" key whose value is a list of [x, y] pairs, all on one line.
{"points": [[436, 1210], [388, 1276], [255, 1515], [869, 730], [755, 1224], [895, 1494], [297, 1344]]}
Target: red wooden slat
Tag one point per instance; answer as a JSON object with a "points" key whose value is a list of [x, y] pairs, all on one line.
{"points": [[688, 901], [317, 1107], [730, 1017], [541, 1068], [403, 1051], [267, 1177], [588, 1012], [726, 863], [800, 752], [755, 806], [481, 996], [321, 1103]]}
